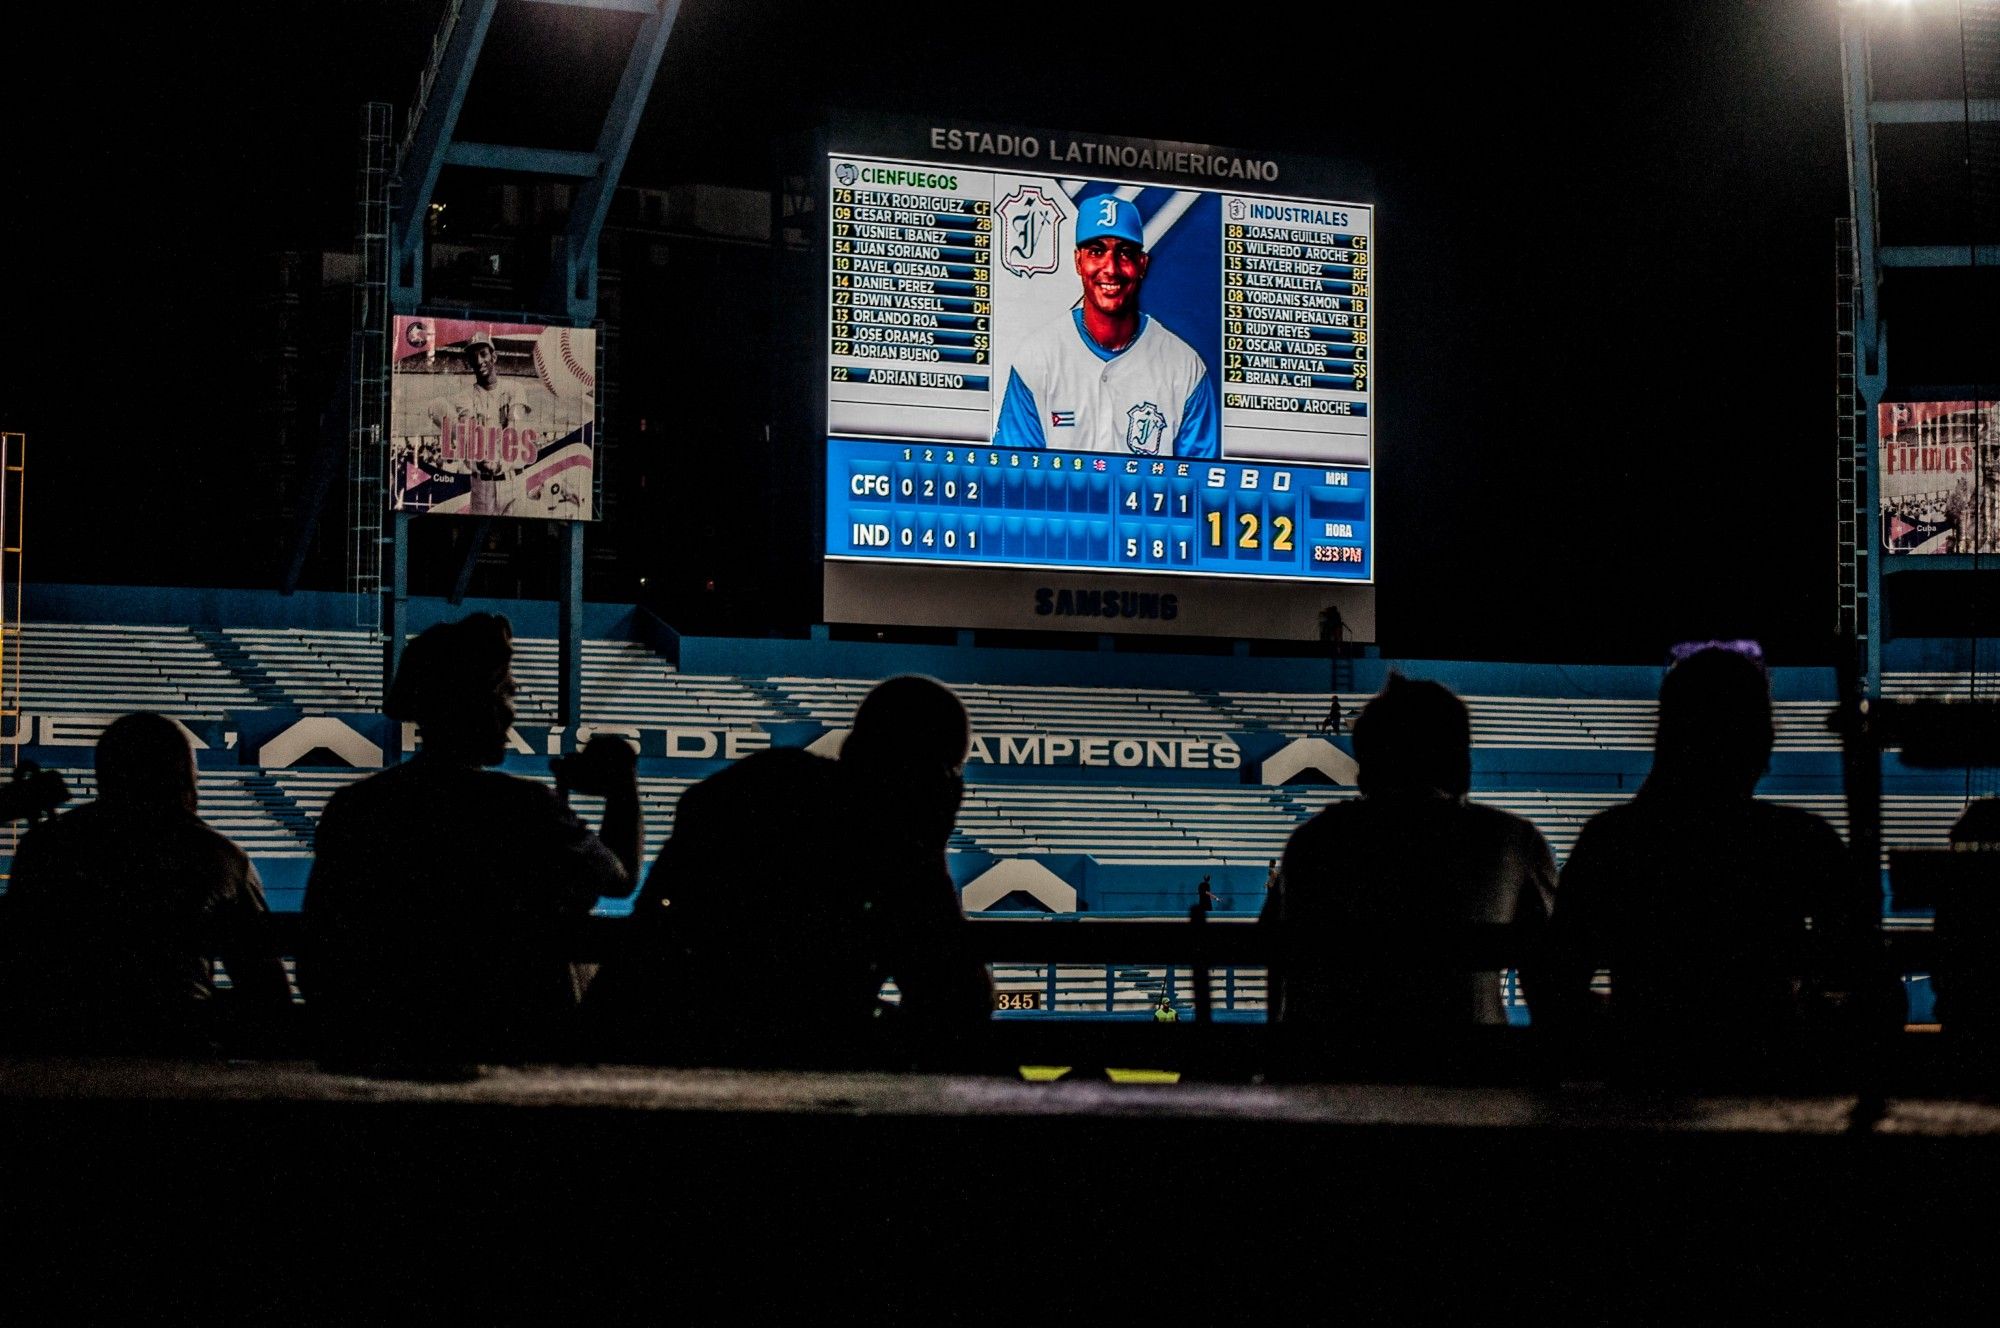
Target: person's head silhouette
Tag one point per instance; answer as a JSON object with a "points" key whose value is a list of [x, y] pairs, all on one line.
{"points": [[1715, 720], [909, 722], [145, 760], [456, 685], [912, 733], [1413, 737]]}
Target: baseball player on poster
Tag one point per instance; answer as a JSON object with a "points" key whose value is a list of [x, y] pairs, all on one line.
{"points": [[493, 419], [1107, 377], [485, 429]]}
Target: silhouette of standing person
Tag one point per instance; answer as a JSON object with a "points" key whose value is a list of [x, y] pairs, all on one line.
{"points": [[1408, 860], [441, 893], [116, 907], [792, 887], [1737, 935], [1332, 631]]}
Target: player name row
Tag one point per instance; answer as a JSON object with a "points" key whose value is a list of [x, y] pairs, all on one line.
{"points": [[1233, 537], [922, 326], [951, 219], [1283, 235], [918, 227], [845, 264], [971, 252], [1237, 263], [898, 289], [1319, 251], [938, 263], [1235, 283], [934, 205]]}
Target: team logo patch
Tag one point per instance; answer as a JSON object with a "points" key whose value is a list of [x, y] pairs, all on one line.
{"points": [[1062, 419], [1145, 428], [1031, 227], [846, 173]]}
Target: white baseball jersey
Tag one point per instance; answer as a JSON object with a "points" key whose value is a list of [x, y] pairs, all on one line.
{"points": [[1154, 398], [487, 432]]}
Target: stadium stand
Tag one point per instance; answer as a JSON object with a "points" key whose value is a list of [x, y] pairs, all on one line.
{"points": [[247, 806], [317, 671], [1910, 685], [96, 668], [306, 792], [326, 671], [1132, 837], [1597, 724], [1184, 826], [1149, 713]]}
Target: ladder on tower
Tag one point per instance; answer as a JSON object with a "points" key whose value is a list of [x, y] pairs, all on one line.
{"points": [[13, 495], [1854, 525], [367, 439]]}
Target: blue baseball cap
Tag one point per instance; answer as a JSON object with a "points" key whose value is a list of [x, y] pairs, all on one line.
{"points": [[1108, 214]]}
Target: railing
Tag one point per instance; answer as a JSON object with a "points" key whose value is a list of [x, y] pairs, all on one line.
{"points": [[1203, 1047]]}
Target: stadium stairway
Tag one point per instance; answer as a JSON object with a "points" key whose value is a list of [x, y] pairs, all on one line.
{"points": [[317, 671], [239, 661], [782, 703]]}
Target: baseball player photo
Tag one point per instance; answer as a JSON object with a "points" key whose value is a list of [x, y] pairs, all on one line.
{"points": [[1105, 375], [492, 419]]}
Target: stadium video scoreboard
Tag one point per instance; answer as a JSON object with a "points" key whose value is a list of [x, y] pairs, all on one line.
{"points": [[1056, 354], [958, 503]]}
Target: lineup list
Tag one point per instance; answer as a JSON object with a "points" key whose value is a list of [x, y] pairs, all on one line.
{"points": [[984, 504], [911, 280], [1295, 311]]}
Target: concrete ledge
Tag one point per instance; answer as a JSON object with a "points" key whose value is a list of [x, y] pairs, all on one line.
{"points": [[137, 1082], [613, 1194]]}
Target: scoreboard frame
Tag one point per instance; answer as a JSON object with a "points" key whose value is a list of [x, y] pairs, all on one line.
{"points": [[1114, 590]]}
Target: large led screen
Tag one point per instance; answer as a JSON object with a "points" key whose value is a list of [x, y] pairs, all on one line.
{"points": [[1060, 372], [492, 419]]}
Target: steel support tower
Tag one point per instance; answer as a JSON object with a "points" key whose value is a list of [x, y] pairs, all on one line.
{"points": [[1957, 43], [430, 147]]}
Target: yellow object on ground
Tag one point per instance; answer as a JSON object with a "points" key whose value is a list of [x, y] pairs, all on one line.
{"points": [[1047, 1074]]}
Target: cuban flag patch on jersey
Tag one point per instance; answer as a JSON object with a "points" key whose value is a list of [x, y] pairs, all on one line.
{"points": [[1062, 419]]}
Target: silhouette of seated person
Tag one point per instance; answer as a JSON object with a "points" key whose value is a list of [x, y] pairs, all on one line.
{"points": [[1740, 939], [1965, 973], [792, 887], [116, 908], [1370, 888], [444, 896]]}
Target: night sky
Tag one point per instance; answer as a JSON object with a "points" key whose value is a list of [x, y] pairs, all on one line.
{"points": [[1605, 313]]}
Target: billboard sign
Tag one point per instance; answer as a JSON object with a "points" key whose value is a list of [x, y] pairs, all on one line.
{"points": [[1939, 476], [492, 419]]}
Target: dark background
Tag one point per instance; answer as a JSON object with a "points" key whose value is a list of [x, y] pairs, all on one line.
{"points": [[1606, 348]]}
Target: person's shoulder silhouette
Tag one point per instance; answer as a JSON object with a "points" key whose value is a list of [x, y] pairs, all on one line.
{"points": [[1735, 932], [792, 886], [1409, 861], [720, 946], [441, 890], [116, 907]]}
